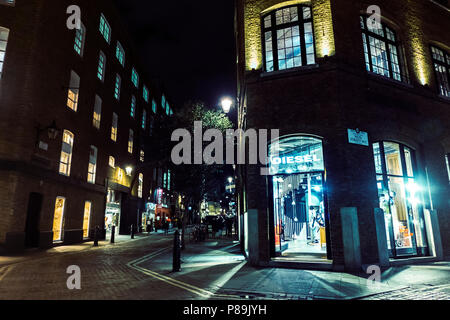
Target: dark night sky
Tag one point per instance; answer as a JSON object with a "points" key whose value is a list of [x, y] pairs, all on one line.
{"points": [[189, 44]]}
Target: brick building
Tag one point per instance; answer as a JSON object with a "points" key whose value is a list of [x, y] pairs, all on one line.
{"points": [[360, 174], [77, 111]]}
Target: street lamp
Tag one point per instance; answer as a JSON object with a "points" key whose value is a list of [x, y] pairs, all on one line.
{"points": [[230, 180], [226, 103], [129, 170]]}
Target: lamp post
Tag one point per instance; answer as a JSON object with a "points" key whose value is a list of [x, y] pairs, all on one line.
{"points": [[226, 104]]}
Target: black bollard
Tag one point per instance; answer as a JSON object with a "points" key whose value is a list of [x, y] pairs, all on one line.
{"points": [[132, 232], [176, 253], [113, 233], [96, 234]]}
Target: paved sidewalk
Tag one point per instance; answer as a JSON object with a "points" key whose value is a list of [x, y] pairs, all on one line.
{"points": [[141, 269]]}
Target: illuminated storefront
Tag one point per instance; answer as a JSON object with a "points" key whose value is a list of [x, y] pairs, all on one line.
{"points": [[113, 211], [300, 217], [401, 199]]}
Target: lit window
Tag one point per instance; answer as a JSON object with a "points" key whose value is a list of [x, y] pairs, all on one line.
{"points": [[117, 87], [141, 185], [447, 161], [74, 91], [381, 50], [167, 109], [120, 54], [4, 34], [101, 66], [65, 161], [80, 36], [92, 169], [142, 156], [87, 218], [58, 219], [115, 121], [97, 112], [163, 102], [135, 78], [144, 119], [441, 61], [131, 141], [8, 2], [292, 27], [112, 162], [145, 93], [168, 179], [154, 106], [400, 197], [105, 29], [133, 106]]}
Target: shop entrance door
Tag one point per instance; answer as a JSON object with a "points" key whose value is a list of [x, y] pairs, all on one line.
{"points": [[300, 216], [33, 218]]}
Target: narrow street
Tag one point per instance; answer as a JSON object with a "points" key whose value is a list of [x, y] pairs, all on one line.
{"points": [[141, 269]]}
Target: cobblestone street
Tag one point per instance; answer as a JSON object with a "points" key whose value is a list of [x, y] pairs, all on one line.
{"points": [[141, 269]]}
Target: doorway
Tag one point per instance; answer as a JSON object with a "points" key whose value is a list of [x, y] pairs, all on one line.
{"points": [[33, 219], [299, 216]]}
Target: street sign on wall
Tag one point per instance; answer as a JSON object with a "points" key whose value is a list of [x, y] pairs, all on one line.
{"points": [[358, 137]]}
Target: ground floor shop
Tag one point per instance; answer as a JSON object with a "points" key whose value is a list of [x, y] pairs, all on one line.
{"points": [[300, 218]]}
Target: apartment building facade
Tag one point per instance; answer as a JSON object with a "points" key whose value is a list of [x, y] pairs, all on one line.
{"points": [[360, 93], [77, 111]]}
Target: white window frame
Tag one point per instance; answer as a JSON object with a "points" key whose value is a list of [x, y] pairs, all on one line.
{"points": [[65, 161], [92, 167]]}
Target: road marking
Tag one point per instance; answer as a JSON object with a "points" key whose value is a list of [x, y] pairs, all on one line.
{"points": [[171, 281], [4, 271]]}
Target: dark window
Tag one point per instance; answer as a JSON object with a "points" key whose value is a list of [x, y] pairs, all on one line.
{"points": [[288, 38], [381, 50], [441, 62]]}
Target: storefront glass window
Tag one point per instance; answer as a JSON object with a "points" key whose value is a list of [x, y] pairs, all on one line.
{"points": [[400, 198], [297, 166], [86, 218], [58, 218]]}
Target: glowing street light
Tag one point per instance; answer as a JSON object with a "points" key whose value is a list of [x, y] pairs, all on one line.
{"points": [[129, 170], [226, 103], [230, 180]]}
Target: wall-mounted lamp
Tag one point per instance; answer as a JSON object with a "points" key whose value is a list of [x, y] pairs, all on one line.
{"points": [[128, 170], [52, 133]]}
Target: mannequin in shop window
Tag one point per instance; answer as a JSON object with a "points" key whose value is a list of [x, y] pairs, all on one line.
{"points": [[316, 223]]}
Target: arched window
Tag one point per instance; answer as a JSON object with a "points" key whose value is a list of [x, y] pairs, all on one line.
{"points": [[288, 38], [400, 198], [381, 50]]}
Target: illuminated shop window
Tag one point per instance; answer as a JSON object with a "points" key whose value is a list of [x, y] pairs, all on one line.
{"points": [[135, 78], [447, 161], [133, 106], [120, 53], [92, 169], [80, 37], [58, 218], [87, 219], [8, 2], [288, 38], [74, 91], [65, 161], [117, 87], [141, 185], [381, 50], [441, 62], [400, 197], [130, 141], [101, 66], [114, 129], [144, 119], [105, 29], [97, 112], [145, 94]]}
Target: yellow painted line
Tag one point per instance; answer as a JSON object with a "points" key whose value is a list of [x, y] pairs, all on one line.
{"points": [[6, 271], [171, 281]]}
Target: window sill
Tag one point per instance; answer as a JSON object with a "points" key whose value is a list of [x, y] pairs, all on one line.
{"points": [[445, 98], [381, 78], [289, 71]]}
